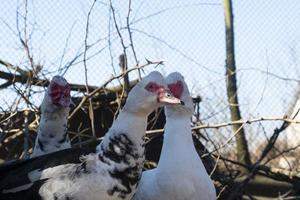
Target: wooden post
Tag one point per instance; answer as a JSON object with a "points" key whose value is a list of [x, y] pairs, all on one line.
{"points": [[242, 151]]}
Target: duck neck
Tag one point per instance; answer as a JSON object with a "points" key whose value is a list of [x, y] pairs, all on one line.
{"points": [[125, 137], [122, 149], [178, 143], [132, 124], [52, 133]]}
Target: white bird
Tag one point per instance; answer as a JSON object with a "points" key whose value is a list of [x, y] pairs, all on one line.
{"points": [[52, 132], [113, 172], [180, 173]]}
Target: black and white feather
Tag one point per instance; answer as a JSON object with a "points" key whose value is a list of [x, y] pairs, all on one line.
{"points": [[113, 171], [52, 132]]}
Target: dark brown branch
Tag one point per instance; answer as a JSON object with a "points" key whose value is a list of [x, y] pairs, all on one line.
{"points": [[14, 78], [13, 67], [256, 167]]}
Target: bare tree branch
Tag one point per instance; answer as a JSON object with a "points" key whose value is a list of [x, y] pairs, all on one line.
{"points": [[130, 36], [92, 93], [91, 110], [220, 125]]}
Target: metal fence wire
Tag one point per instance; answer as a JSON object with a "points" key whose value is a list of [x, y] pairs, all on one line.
{"points": [[82, 41]]}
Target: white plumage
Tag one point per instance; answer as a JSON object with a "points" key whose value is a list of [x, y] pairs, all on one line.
{"points": [[52, 132], [113, 172], [180, 174]]}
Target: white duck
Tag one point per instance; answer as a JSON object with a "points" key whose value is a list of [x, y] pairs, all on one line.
{"points": [[113, 172], [52, 132], [180, 173]]}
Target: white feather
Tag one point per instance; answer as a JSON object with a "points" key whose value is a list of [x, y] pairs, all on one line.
{"points": [[113, 172], [180, 174]]}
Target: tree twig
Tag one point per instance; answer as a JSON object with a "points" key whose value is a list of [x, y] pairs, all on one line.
{"points": [[130, 37], [92, 93], [91, 110], [220, 125]]}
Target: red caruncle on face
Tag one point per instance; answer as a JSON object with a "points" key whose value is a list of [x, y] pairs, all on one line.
{"points": [[176, 89], [60, 95], [155, 88]]}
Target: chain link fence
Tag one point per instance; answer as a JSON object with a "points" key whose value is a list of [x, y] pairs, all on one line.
{"points": [[48, 38]]}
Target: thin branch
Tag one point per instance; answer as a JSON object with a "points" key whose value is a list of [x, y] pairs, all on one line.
{"points": [[79, 54], [282, 78], [220, 125], [88, 96], [91, 110], [109, 45], [66, 47], [177, 50], [25, 41], [266, 150], [118, 31], [13, 78], [13, 67], [130, 37], [281, 154], [193, 5]]}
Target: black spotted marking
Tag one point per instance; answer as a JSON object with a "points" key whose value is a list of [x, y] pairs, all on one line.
{"points": [[83, 165], [63, 139], [101, 157], [124, 144], [83, 168], [128, 176], [79, 171], [68, 198], [41, 145], [65, 128]]}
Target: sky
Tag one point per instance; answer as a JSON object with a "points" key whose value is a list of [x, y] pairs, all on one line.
{"points": [[188, 36]]}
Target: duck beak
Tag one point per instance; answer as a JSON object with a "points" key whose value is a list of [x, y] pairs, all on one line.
{"points": [[167, 98]]}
